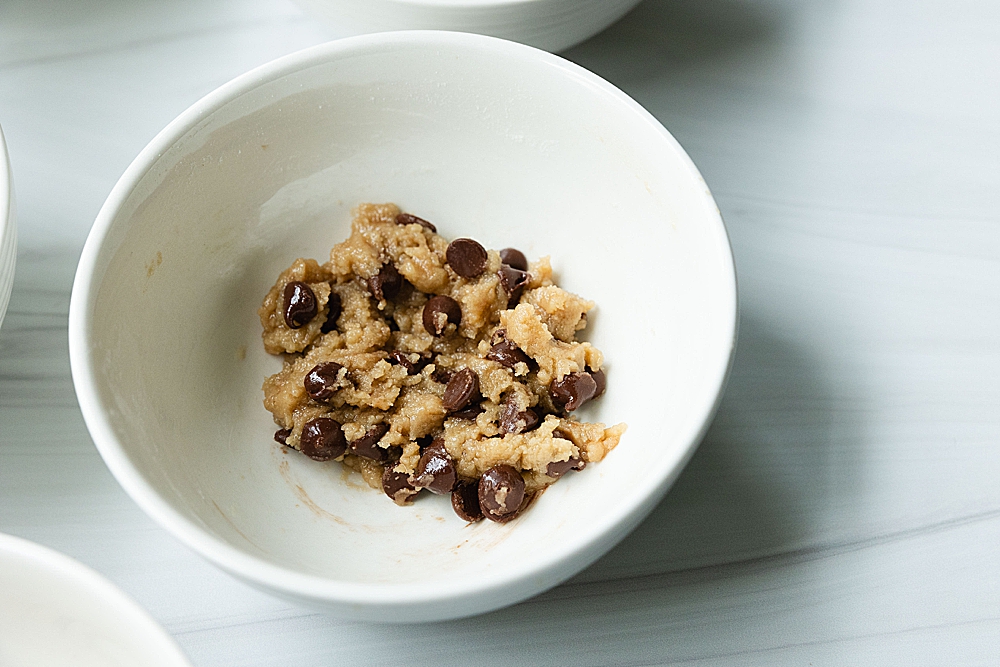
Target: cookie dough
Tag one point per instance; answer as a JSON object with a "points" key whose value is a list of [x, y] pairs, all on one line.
{"points": [[424, 364]]}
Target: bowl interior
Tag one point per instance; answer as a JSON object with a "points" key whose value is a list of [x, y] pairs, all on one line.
{"points": [[484, 138]]}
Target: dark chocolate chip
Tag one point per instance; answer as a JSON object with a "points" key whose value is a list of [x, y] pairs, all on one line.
{"points": [[531, 420], [300, 304], [516, 421], [514, 258], [462, 388], [557, 469], [465, 501], [334, 308], [322, 439], [466, 257], [506, 353], [386, 283], [397, 486], [501, 490], [602, 382], [573, 390], [321, 382], [439, 311], [408, 219], [435, 470], [425, 441], [469, 412], [367, 445], [442, 375], [512, 281], [281, 436], [403, 359]]}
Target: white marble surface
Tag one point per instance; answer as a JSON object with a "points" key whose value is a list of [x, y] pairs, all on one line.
{"points": [[845, 506]]}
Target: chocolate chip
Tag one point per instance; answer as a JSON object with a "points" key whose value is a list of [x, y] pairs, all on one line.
{"points": [[514, 258], [404, 360], [435, 470], [531, 420], [334, 308], [281, 436], [300, 304], [321, 382], [501, 490], [466, 257], [465, 501], [408, 219], [557, 469], [442, 375], [602, 382], [367, 445], [516, 421], [386, 283], [397, 486], [439, 311], [513, 282], [462, 388], [469, 412], [506, 353], [573, 390], [322, 439]]}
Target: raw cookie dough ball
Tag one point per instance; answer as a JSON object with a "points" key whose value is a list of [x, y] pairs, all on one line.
{"points": [[423, 364]]}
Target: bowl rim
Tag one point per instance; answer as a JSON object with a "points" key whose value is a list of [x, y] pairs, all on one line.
{"points": [[8, 228], [544, 570], [6, 186], [471, 5], [96, 586]]}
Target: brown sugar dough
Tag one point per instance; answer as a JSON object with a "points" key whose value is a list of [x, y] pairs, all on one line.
{"points": [[395, 370]]}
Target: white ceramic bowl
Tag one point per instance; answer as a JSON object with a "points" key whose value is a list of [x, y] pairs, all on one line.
{"points": [[552, 25], [55, 612], [486, 138], [8, 228]]}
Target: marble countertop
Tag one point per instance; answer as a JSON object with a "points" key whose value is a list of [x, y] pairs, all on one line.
{"points": [[844, 508]]}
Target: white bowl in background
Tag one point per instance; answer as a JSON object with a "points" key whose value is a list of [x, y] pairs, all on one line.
{"points": [[8, 228], [552, 25], [54, 612], [486, 138]]}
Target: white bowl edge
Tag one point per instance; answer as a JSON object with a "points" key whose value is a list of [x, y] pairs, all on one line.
{"points": [[8, 228], [129, 617]]}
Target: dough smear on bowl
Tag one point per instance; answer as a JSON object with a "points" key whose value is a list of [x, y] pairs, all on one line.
{"points": [[424, 364]]}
